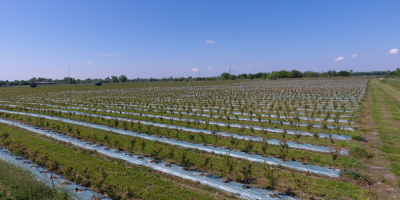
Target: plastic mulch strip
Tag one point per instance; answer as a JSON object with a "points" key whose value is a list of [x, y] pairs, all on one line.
{"points": [[326, 171], [44, 175], [243, 191]]}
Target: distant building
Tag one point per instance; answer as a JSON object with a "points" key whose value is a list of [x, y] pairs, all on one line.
{"points": [[97, 84]]}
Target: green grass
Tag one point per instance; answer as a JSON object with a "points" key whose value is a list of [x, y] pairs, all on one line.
{"points": [[216, 164], [102, 174], [17, 183], [351, 185], [317, 158], [386, 114]]}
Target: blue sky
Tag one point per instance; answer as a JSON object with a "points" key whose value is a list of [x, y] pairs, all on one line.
{"points": [[179, 38]]}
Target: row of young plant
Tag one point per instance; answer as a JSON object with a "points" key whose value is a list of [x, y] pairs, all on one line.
{"points": [[198, 135], [254, 133], [176, 96], [242, 191], [217, 98], [206, 123], [355, 149], [112, 177], [288, 89], [290, 114], [249, 147], [292, 121], [46, 183], [236, 169], [17, 183], [219, 108], [225, 107], [275, 141], [296, 125]]}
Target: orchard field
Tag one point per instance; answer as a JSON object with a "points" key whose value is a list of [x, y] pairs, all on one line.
{"points": [[283, 139]]}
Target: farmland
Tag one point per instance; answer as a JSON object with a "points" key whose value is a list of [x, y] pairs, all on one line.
{"points": [[315, 138]]}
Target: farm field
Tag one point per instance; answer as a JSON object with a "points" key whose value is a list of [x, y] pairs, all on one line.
{"points": [[315, 138]]}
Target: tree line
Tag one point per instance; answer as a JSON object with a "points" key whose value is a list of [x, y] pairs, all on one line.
{"points": [[224, 76], [307, 74]]}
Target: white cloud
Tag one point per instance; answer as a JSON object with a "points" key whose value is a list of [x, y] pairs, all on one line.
{"points": [[209, 68], [210, 42], [248, 65], [339, 58], [394, 51], [195, 70], [355, 55], [89, 62]]}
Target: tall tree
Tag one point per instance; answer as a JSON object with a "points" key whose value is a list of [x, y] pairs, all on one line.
{"points": [[122, 79], [224, 76], [114, 79], [344, 73]]}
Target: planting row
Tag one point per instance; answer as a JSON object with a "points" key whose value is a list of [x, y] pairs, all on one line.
{"points": [[47, 176], [254, 170], [190, 131]]}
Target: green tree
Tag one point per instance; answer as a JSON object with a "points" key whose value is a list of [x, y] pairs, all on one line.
{"points": [[114, 79], [344, 73], [397, 72], [122, 79], [224, 76], [296, 74]]}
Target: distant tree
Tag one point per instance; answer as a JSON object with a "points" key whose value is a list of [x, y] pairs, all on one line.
{"points": [[122, 79], [69, 80], [273, 76], [242, 76], [331, 73], [309, 74], [397, 72], [107, 80], [224, 76], [296, 74], [249, 76], [151, 79], [344, 73], [284, 74], [114, 79], [32, 80]]}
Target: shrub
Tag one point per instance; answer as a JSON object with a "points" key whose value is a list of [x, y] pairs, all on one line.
{"points": [[358, 138], [360, 152]]}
